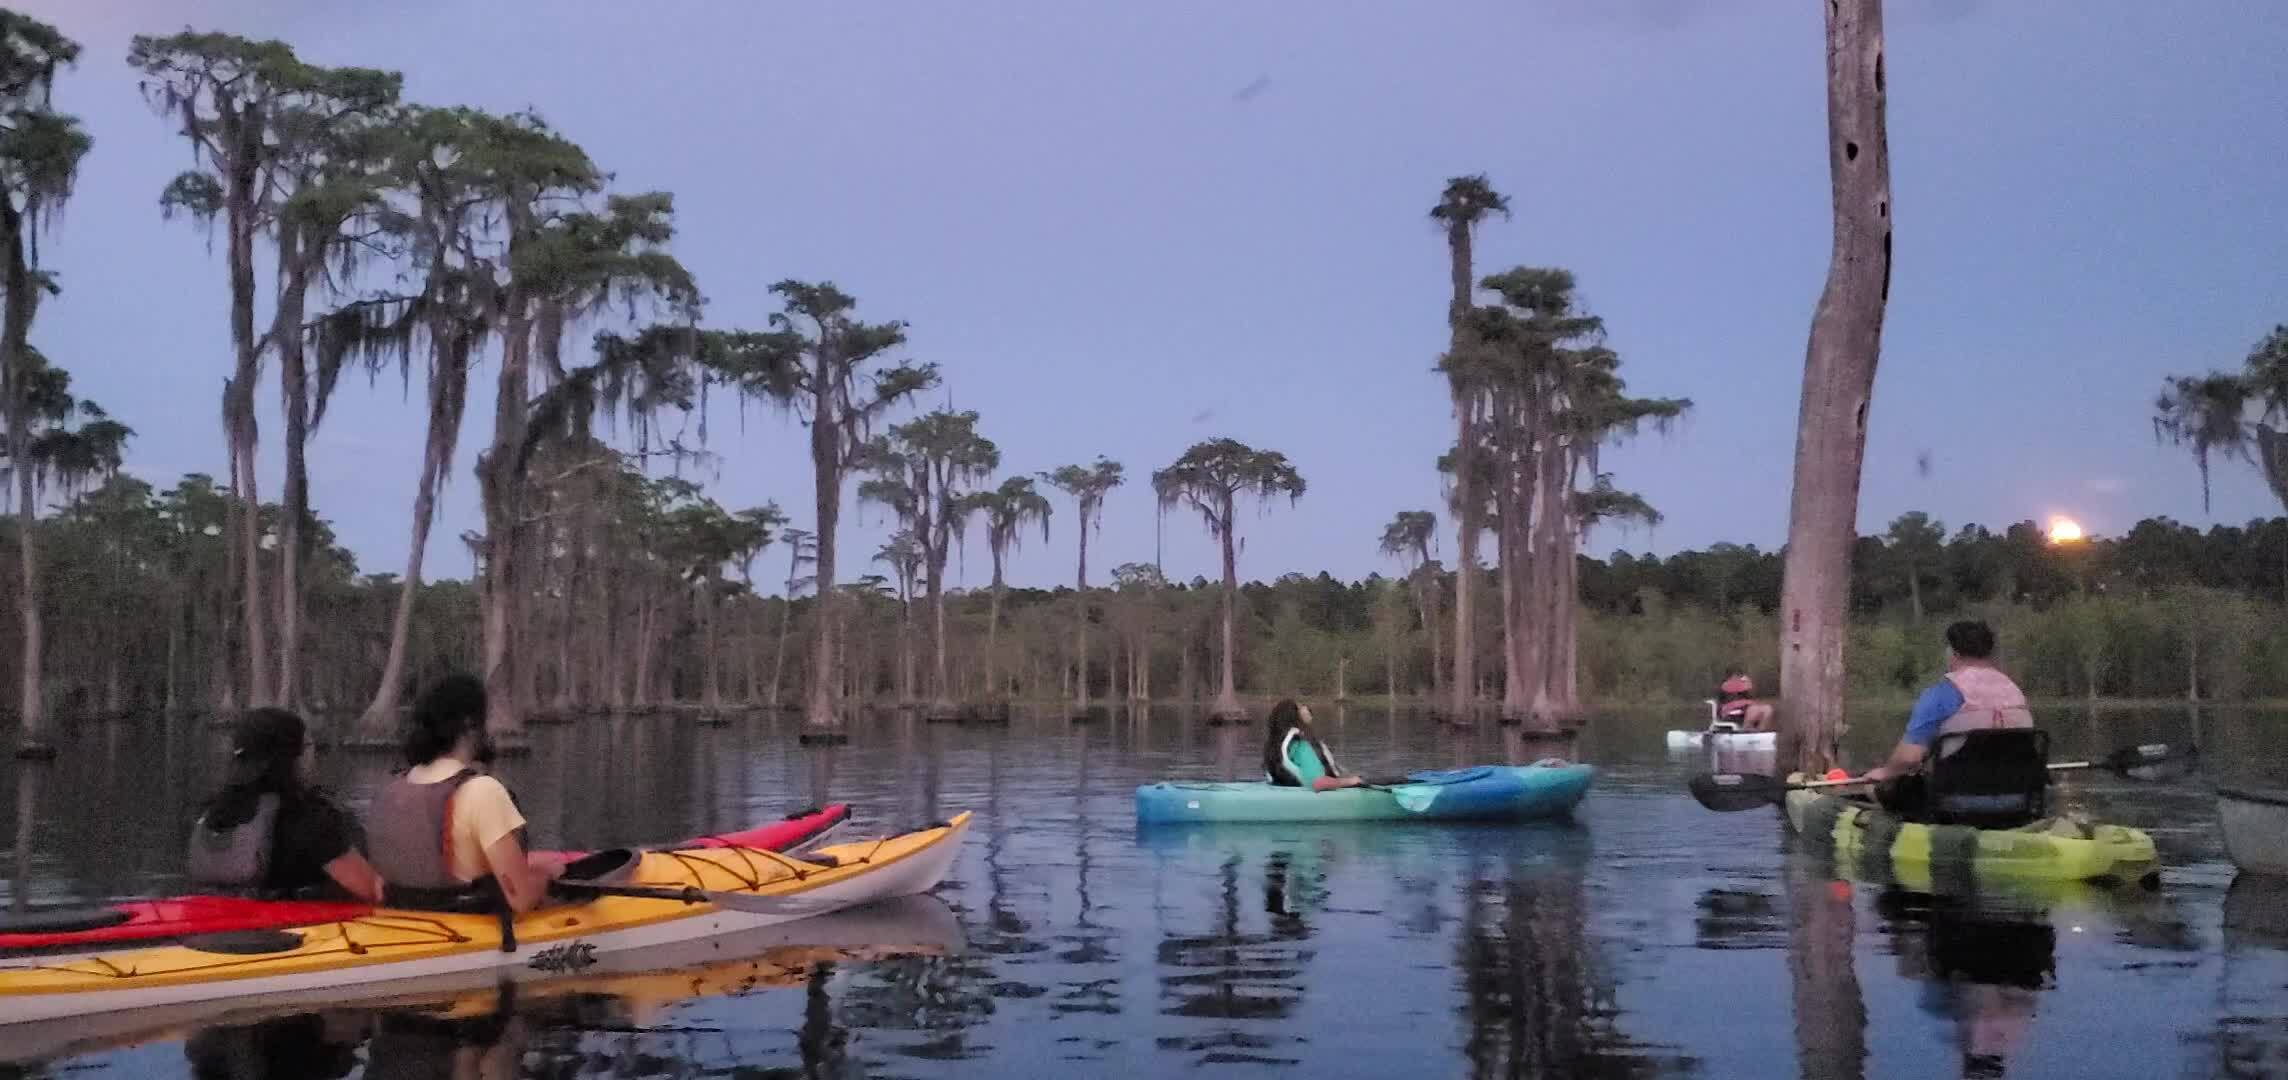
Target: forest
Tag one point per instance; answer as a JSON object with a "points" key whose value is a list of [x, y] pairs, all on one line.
{"points": [[364, 236], [139, 589]]}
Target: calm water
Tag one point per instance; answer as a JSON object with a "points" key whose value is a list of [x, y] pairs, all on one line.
{"points": [[1647, 937]]}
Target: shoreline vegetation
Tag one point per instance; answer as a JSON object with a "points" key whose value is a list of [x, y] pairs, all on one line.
{"points": [[2154, 615], [444, 242]]}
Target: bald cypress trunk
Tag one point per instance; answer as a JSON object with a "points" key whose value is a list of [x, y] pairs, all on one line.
{"points": [[1838, 388], [293, 385], [819, 713], [243, 133], [21, 301], [1227, 699], [1467, 500]]}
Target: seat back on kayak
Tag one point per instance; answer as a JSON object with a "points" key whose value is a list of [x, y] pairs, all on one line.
{"points": [[1990, 779]]}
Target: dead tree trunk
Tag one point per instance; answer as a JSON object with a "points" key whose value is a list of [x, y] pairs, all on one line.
{"points": [[1838, 387]]}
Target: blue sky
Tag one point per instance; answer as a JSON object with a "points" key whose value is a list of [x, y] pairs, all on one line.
{"points": [[1122, 229]]}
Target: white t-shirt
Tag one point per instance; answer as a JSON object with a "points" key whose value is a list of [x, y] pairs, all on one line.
{"points": [[481, 813]]}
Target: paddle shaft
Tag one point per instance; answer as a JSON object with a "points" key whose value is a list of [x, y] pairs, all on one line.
{"points": [[754, 903], [1850, 781], [686, 894]]}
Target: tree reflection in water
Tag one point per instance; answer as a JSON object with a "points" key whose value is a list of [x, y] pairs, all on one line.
{"points": [[1243, 983], [1537, 997], [2251, 1036], [946, 1000], [1087, 949], [1830, 1014]]}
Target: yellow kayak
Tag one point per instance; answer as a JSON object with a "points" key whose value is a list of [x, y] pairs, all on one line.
{"points": [[391, 945], [1957, 859], [639, 987]]}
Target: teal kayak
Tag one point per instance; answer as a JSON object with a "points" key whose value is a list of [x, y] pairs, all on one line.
{"points": [[1484, 793]]}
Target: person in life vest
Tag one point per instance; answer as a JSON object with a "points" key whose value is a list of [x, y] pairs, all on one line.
{"points": [[270, 830], [1736, 702], [1295, 756], [443, 830], [1974, 695]]}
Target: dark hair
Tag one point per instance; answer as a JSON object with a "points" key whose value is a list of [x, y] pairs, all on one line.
{"points": [[265, 752], [1971, 639], [450, 708], [1286, 716]]}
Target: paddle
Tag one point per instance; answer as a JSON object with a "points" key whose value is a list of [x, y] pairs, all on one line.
{"points": [[1728, 792], [1429, 778], [737, 901]]}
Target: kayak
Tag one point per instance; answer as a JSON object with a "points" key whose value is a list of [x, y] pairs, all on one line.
{"points": [[97, 926], [627, 991], [1484, 793], [1724, 739], [389, 946], [2255, 826], [1957, 858]]}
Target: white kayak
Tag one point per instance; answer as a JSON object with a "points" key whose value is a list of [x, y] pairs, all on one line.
{"points": [[2255, 826], [1724, 737]]}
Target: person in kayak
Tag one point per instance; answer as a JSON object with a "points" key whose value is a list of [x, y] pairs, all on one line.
{"points": [[1295, 756], [443, 833], [1973, 696], [271, 830], [1736, 702]]}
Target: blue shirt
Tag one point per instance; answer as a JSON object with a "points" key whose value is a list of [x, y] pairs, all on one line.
{"points": [[1942, 700]]}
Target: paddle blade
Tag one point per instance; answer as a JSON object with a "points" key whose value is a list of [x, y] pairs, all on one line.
{"points": [[1728, 792], [2153, 761]]}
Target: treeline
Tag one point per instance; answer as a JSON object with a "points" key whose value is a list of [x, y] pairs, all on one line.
{"points": [[141, 593]]}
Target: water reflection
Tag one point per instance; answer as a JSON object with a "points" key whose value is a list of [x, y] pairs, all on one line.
{"points": [[1739, 917], [27, 813], [1538, 1000], [1238, 980], [1830, 1011], [1648, 938], [1983, 969], [321, 1046], [2252, 1022]]}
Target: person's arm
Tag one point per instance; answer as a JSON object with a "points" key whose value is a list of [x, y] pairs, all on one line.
{"points": [[495, 820], [523, 879], [329, 833], [1931, 710], [1319, 761], [356, 876], [1905, 758]]}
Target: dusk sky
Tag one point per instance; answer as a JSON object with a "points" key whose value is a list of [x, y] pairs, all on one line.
{"points": [[1121, 229]]}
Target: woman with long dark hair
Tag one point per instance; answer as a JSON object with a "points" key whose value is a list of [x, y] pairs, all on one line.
{"points": [[445, 831], [1293, 753], [271, 830]]}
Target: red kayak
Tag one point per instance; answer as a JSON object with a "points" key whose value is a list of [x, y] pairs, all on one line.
{"points": [[181, 916]]}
